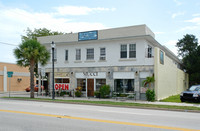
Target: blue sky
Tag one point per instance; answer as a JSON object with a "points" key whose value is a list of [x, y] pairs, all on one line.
{"points": [[168, 19]]}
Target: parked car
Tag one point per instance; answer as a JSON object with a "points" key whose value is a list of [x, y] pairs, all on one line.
{"points": [[192, 94], [28, 89]]}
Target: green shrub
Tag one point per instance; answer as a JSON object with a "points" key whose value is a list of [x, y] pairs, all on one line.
{"points": [[150, 95], [104, 91], [97, 94], [63, 93], [78, 93]]}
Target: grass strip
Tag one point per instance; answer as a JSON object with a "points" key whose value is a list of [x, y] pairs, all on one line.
{"points": [[175, 98], [111, 103]]}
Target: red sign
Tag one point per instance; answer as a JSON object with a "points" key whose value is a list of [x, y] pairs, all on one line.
{"points": [[64, 86]]}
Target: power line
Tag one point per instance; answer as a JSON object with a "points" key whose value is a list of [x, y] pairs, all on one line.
{"points": [[7, 44]]}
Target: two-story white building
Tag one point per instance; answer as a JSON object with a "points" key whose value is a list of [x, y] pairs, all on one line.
{"points": [[120, 57]]}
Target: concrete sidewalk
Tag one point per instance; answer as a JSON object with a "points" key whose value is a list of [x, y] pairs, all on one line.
{"points": [[27, 94]]}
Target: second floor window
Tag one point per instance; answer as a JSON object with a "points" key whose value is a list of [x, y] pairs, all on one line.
{"points": [[66, 55], [90, 54], [123, 53], [102, 53], [132, 50], [78, 54], [161, 57], [149, 52]]}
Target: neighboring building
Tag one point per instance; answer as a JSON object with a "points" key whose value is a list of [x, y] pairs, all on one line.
{"points": [[120, 57], [18, 82]]}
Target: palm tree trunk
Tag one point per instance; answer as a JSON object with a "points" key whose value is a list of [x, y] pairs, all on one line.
{"points": [[32, 65]]}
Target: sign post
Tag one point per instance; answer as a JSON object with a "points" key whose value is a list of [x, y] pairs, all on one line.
{"points": [[10, 74]]}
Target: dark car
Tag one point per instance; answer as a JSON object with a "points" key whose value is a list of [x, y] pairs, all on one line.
{"points": [[192, 94]]}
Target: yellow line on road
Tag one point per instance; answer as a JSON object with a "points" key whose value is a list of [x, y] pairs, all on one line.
{"points": [[100, 120]]}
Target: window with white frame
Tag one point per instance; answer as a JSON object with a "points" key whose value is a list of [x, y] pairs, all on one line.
{"points": [[66, 55], [90, 54], [102, 53], [132, 50], [78, 54], [123, 52], [149, 52]]}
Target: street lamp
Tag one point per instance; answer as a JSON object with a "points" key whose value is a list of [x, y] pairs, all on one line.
{"points": [[53, 93]]}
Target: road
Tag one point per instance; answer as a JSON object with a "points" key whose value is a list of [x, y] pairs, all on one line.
{"points": [[18, 115]]}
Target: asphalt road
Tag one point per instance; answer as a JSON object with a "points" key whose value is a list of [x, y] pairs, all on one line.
{"points": [[44, 116]]}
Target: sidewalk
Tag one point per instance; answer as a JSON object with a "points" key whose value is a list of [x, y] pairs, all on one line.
{"points": [[27, 94]]}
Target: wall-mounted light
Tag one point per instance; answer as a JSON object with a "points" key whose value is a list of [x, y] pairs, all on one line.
{"points": [[108, 72], [136, 73], [72, 73], [19, 79]]}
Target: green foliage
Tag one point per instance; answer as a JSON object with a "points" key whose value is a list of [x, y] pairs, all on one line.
{"points": [[28, 54], [63, 93], [31, 50], [187, 45], [38, 33], [78, 93], [79, 89], [97, 94], [148, 81], [189, 50], [104, 91], [150, 95], [175, 98]]}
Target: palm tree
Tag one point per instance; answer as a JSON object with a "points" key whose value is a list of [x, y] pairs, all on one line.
{"points": [[148, 81], [28, 54]]}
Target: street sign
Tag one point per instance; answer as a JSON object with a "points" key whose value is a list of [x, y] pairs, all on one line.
{"points": [[10, 73]]}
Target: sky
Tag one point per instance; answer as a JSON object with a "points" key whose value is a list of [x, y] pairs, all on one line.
{"points": [[170, 20]]}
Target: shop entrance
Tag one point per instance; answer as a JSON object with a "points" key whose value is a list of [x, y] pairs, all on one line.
{"points": [[90, 87]]}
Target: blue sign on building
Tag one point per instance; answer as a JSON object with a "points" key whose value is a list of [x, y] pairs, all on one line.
{"points": [[89, 35]]}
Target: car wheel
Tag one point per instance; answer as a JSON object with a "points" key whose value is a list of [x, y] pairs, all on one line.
{"points": [[182, 100]]}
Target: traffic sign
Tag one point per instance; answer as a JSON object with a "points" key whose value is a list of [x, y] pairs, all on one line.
{"points": [[10, 73]]}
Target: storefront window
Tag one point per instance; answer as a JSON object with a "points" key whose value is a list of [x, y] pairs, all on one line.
{"points": [[124, 85], [99, 83], [81, 83]]}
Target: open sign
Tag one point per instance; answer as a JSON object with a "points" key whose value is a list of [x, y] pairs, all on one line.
{"points": [[64, 86]]}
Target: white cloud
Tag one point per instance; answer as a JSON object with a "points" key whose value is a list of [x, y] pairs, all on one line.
{"points": [[186, 28], [177, 14], [195, 20], [80, 10], [196, 15], [14, 21], [178, 2], [196, 26], [171, 44]]}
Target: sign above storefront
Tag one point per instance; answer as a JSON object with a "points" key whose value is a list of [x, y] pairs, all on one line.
{"points": [[89, 35], [91, 75], [61, 74]]}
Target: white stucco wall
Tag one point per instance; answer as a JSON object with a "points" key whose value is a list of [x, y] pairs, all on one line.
{"points": [[112, 54], [169, 80]]}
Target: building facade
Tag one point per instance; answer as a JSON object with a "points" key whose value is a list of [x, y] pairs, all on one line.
{"points": [[19, 80], [119, 57]]}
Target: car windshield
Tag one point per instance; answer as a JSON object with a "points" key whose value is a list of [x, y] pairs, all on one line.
{"points": [[194, 88]]}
